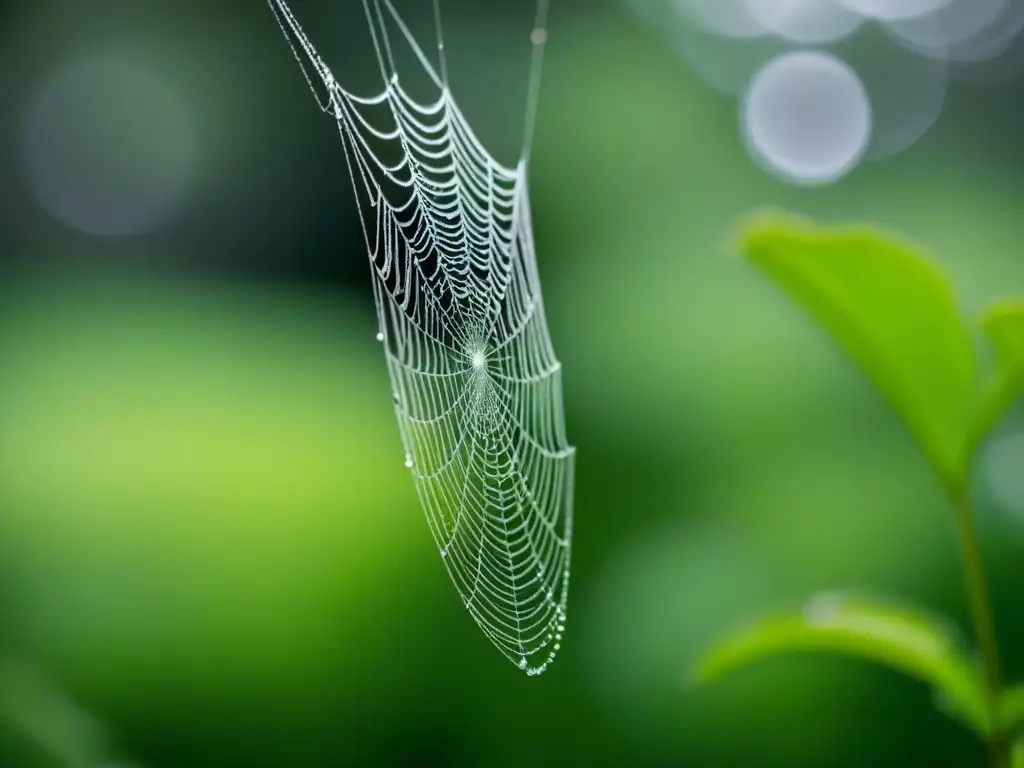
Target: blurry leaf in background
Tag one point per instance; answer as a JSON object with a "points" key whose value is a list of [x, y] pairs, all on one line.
{"points": [[902, 639], [892, 311], [1011, 711]]}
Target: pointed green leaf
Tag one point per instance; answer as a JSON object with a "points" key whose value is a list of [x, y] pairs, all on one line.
{"points": [[1004, 326], [899, 638], [892, 311]]}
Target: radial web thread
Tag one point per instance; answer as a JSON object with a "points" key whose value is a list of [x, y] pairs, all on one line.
{"points": [[476, 384]]}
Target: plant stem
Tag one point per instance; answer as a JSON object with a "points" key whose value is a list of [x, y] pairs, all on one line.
{"points": [[980, 607]]}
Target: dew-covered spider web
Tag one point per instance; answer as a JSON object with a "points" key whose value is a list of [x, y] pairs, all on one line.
{"points": [[476, 384]]}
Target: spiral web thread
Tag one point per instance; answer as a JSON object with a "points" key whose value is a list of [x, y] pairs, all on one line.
{"points": [[476, 384]]}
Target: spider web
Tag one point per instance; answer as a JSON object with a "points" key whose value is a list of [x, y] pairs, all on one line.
{"points": [[476, 384]]}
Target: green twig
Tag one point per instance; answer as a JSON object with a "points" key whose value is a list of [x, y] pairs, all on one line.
{"points": [[980, 606]]}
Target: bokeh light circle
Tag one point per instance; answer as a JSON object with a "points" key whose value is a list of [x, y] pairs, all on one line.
{"points": [[908, 92], [108, 148], [807, 22], [806, 117], [996, 55], [724, 64], [894, 10], [957, 23]]}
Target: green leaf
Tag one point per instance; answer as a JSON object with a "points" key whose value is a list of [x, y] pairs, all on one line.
{"points": [[899, 638], [1004, 326], [892, 311]]}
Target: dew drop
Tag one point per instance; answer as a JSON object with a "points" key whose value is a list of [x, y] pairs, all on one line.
{"points": [[557, 646], [522, 663], [408, 460], [380, 336]]}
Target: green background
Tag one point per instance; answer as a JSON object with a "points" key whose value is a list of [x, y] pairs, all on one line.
{"points": [[207, 537]]}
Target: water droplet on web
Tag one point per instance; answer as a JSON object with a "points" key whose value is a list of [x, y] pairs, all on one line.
{"points": [[380, 336], [408, 460], [557, 646], [522, 663]]}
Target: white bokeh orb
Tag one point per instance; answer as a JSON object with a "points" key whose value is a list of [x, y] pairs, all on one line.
{"points": [[108, 148], [806, 22], [806, 117], [894, 10], [958, 30], [907, 91]]}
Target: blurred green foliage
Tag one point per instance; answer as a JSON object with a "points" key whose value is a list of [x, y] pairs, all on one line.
{"points": [[1004, 324], [902, 639], [208, 537], [893, 312], [896, 315]]}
